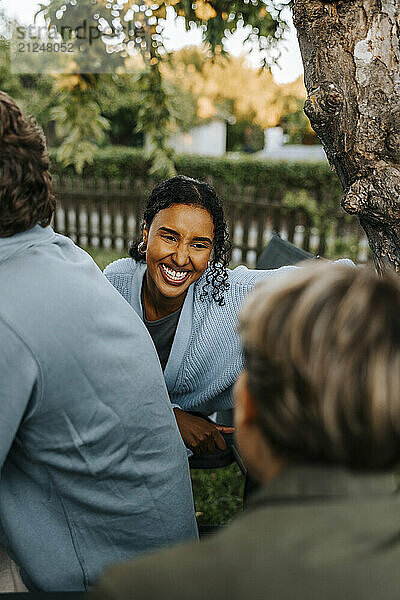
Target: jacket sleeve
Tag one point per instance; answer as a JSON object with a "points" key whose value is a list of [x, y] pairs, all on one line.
{"points": [[19, 379]]}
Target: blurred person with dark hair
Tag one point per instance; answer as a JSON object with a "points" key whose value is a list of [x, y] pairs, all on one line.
{"points": [[317, 420], [93, 469]]}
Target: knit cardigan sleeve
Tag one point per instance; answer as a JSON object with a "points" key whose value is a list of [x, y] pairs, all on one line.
{"points": [[213, 359], [120, 274]]}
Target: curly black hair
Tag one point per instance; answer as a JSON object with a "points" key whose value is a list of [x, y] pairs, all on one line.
{"points": [[185, 190]]}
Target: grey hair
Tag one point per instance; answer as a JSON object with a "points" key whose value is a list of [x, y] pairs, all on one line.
{"points": [[322, 352]]}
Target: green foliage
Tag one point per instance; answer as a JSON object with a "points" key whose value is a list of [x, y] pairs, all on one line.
{"points": [[111, 162], [261, 18], [274, 176], [244, 136], [139, 26], [301, 199], [127, 102], [38, 97], [348, 247], [182, 105], [34, 93], [119, 103], [218, 494], [8, 82], [277, 177], [104, 256], [156, 115], [89, 49], [123, 128], [81, 126], [297, 127]]}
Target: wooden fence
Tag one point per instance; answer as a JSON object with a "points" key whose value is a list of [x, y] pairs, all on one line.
{"points": [[107, 214]]}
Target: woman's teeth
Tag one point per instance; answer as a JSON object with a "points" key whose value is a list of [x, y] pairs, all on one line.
{"points": [[174, 275]]}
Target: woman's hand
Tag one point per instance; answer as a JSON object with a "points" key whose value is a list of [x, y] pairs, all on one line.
{"points": [[199, 435]]}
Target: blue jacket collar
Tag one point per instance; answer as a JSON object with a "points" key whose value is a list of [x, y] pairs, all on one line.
{"points": [[10, 246]]}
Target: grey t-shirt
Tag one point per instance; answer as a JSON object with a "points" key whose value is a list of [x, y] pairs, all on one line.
{"points": [[162, 333]]}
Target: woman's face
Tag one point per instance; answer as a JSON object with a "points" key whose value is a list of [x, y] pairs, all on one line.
{"points": [[179, 243]]}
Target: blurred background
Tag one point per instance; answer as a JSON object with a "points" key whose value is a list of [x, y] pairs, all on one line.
{"points": [[130, 92]]}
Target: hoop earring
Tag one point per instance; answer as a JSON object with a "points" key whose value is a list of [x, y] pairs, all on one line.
{"points": [[140, 248]]}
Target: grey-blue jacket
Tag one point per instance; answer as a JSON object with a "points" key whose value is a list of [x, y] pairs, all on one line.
{"points": [[93, 469]]}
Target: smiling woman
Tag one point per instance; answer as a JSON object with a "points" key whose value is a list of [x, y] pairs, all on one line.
{"points": [[178, 282], [179, 243]]}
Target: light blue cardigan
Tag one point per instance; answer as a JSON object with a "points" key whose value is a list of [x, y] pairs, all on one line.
{"points": [[206, 355]]}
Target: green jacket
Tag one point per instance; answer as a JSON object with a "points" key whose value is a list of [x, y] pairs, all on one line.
{"points": [[312, 533]]}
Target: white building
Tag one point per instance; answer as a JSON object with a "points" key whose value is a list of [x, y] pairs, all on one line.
{"points": [[204, 140], [275, 148]]}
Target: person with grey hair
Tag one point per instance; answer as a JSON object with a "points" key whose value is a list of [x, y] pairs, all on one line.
{"points": [[318, 424]]}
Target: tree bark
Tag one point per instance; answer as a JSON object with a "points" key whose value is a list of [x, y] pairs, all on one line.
{"points": [[351, 56]]}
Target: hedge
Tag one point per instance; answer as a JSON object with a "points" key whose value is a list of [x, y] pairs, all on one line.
{"points": [[300, 189], [116, 162]]}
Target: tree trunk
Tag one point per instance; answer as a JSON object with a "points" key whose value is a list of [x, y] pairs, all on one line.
{"points": [[351, 56]]}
